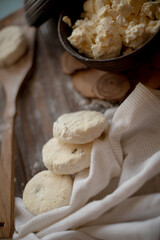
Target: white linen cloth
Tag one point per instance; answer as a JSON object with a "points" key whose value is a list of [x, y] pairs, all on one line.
{"points": [[119, 196]]}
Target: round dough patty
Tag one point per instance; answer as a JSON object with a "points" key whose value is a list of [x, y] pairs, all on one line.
{"points": [[47, 191], [79, 127], [13, 45], [64, 158]]}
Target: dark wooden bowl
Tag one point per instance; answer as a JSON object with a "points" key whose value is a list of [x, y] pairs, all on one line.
{"points": [[121, 63]]}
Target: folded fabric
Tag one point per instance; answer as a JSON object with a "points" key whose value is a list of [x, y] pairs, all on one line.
{"points": [[119, 196]]}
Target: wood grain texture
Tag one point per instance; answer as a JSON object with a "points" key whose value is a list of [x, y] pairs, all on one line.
{"points": [[93, 83], [70, 64], [7, 174], [111, 86], [46, 95], [16, 74], [114, 87], [84, 82]]}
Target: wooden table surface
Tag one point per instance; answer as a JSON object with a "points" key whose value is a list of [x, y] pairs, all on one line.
{"points": [[45, 95]]}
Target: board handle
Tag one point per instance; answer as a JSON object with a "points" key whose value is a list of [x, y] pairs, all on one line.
{"points": [[7, 173]]}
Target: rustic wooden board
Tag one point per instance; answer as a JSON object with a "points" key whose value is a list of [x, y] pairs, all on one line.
{"points": [[16, 74], [47, 94]]}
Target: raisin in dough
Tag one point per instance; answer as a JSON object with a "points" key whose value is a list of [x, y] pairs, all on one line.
{"points": [[64, 158], [13, 45], [47, 191], [79, 127]]}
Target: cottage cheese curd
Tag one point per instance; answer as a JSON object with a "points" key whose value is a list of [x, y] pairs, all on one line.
{"points": [[109, 28]]}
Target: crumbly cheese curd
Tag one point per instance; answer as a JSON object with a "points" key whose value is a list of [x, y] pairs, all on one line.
{"points": [[110, 28]]}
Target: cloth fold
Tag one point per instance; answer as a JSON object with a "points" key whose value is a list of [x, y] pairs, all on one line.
{"points": [[119, 196]]}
